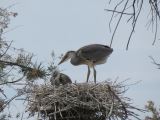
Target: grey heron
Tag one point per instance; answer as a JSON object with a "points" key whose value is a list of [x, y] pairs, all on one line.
{"points": [[89, 55], [58, 78]]}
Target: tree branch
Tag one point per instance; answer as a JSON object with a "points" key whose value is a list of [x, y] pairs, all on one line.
{"points": [[154, 62], [118, 22], [118, 12], [15, 64], [12, 81]]}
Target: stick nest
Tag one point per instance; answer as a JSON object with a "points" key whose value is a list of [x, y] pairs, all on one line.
{"points": [[81, 101]]}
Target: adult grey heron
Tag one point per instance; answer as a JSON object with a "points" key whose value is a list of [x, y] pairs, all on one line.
{"points": [[89, 55]]}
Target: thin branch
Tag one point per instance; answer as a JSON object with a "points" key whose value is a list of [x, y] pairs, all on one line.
{"points": [[154, 62], [113, 13], [118, 12], [7, 82], [134, 25], [6, 73], [1, 91], [15, 64], [6, 50], [8, 102], [118, 22], [134, 11], [155, 34]]}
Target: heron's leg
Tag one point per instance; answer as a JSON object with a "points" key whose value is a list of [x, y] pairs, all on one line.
{"points": [[88, 73], [94, 72]]}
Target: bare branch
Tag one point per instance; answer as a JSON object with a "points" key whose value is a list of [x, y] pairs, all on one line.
{"points": [[154, 62], [7, 82], [118, 12], [113, 13], [14, 64], [6, 50], [118, 22], [133, 10], [134, 24]]}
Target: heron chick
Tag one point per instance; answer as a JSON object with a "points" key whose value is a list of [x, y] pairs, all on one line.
{"points": [[58, 78], [89, 55]]}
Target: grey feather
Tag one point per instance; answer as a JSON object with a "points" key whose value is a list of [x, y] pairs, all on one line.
{"points": [[58, 79], [94, 52]]}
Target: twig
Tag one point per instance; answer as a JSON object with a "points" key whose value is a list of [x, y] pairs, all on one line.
{"points": [[7, 82], [154, 62], [118, 22], [134, 24], [15, 64], [113, 14], [118, 12], [6, 50]]}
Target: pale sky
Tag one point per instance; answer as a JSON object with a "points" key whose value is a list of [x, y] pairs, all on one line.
{"points": [[62, 25]]}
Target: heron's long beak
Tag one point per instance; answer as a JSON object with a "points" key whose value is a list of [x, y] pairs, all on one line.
{"points": [[65, 58]]}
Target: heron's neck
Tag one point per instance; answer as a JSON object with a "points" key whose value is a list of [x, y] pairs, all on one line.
{"points": [[75, 60]]}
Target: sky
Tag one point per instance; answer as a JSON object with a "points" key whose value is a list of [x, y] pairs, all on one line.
{"points": [[43, 26]]}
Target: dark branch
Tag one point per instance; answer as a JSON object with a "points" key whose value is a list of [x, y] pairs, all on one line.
{"points": [[154, 62], [118, 22], [133, 10], [14, 64], [118, 12], [135, 18], [7, 82]]}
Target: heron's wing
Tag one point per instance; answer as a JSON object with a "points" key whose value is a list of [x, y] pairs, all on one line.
{"points": [[95, 52]]}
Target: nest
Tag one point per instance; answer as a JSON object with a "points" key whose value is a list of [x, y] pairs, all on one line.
{"points": [[82, 101]]}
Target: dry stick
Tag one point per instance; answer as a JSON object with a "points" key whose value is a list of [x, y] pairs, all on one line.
{"points": [[150, 22], [112, 105], [152, 11], [134, 25], [12, 81], [111, 110], [2, 92], [6, 49], [124, 108], [6, 73], [155, 35], [134, 11], [113, 14], [114, 11], [118, 12], [55, 112], [118, 22], [14, 64], [64, 109], [156, 8], [60, 112], [154, 62], [8, 102]]}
